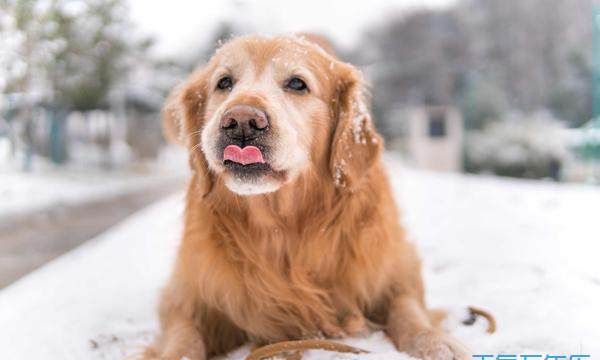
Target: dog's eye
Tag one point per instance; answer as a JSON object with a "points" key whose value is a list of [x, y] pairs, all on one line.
{"points": [[225, 83], [296, 84]]}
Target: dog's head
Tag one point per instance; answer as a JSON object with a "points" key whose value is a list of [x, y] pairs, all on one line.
{"points": [[266, 110]]}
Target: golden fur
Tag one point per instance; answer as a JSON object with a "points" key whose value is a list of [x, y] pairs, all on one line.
{"points": [[323, 255]]}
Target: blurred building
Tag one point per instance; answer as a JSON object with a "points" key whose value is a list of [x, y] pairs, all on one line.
{"points": [[128, 130], [435, 137]]}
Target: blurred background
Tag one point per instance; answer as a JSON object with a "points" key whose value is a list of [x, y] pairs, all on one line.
{"points": [[495, 87]]}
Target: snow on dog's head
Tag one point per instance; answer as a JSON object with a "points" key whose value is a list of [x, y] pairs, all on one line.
{"points": [[266, 110]]}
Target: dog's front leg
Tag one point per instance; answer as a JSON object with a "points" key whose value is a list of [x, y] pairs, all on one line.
{"points": [[180, 337], [411, 330]]}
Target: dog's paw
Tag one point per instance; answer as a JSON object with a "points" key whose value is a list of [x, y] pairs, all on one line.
{"points": [[151, 353], [332, 331], [355, 325], [435, 345], [148, 354]]}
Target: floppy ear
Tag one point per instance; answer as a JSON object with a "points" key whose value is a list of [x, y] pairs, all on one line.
{"points": [[356, 145], [172, 118], [182, 120]]}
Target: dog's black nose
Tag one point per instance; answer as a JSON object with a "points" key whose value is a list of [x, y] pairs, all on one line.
{"points": [[244, 122]]}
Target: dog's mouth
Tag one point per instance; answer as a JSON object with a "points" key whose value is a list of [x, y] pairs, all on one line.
{"points": [[245, 160], [248, 155]]}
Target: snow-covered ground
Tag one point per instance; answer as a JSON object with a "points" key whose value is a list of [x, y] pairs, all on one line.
{"points": [[24, 193], [527, 251], [29, 192]]}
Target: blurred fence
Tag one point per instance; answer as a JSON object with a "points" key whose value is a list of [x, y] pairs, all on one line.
{"points": [[33, 129]]}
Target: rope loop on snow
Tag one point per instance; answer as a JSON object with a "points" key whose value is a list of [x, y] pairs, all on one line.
{"points": [[474, 312], [292, 349]]}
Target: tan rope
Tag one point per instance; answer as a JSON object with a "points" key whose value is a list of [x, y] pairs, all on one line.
{"points": [[489, 317], [291, 349], [280, 348]]}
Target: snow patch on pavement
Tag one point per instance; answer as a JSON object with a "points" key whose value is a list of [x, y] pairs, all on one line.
{"points": [[49, 186]]}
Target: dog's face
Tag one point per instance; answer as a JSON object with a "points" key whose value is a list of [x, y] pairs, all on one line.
{"points": [[264, 111], [264, 105]]}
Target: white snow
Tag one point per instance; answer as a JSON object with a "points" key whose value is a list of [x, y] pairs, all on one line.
{"points": [[527, 251], [28, 192], [519, 140], [22, 193]]}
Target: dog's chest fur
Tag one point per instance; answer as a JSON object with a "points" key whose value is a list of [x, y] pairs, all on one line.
{"points": [[288, 284], [291, 268]]}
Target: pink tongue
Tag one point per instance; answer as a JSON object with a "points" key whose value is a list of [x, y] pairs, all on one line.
{"points": [[245, 156]]}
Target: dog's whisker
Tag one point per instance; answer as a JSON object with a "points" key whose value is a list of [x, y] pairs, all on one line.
{"points": [[195, 147], [194, 133]]}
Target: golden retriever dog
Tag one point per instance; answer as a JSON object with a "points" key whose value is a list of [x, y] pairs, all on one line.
{"points": [[290, 229]]}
